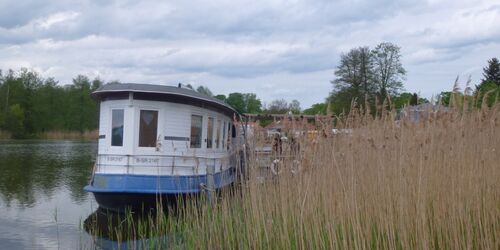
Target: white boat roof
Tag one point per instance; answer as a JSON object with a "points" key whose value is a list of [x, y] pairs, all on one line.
{"points": [[184, 95]]}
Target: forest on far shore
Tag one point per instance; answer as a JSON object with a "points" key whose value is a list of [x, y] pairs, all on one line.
{"points": [[31, 105]]}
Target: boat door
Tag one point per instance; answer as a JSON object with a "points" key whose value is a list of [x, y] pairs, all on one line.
{"points": [[147, 135], [115, 130]]}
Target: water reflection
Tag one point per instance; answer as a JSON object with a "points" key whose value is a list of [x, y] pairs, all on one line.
{"points": [[30, 170], [42, 202], [129, 230]]}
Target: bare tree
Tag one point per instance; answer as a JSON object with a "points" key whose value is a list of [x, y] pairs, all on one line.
{"points": [[294, 106], [278, 106]]}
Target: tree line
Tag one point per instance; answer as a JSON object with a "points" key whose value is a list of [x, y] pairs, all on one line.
{"points": [[371, 77], [368, 76], [249, 103], [31, 104], [487, 92]]}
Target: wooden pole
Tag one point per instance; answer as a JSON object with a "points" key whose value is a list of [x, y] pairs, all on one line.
{"points": [[211, 183]]}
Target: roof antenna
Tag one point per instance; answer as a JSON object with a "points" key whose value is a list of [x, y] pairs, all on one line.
{"points": [[180, 85]]}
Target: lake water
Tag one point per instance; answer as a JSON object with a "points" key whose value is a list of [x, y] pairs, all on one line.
{"points": [[42, 202]]}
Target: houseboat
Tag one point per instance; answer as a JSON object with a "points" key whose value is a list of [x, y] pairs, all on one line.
{"points": [[159, 141]]}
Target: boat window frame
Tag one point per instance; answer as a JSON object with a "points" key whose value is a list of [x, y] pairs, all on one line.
{"points": [[218, 131], [224, 135], [139, 110], [229, 133], [111, 127], [191, 131], [211, 140]]}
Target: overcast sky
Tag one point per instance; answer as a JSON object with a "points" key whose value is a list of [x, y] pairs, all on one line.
{"points": [[277, 49]]}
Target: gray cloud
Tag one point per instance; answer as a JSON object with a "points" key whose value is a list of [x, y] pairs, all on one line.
{"points": [[246, 45]]}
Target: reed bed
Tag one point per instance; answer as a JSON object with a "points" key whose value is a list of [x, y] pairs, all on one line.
{"points": [[431, 184], [69, 135], [4, 135]]}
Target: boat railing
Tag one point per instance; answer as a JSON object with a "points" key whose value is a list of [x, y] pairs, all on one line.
{"points": [[171, 160]]}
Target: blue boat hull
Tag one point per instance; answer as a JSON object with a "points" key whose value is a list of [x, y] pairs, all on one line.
{"points": [[119, 191]]}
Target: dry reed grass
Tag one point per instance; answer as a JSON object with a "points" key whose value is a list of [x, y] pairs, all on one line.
{"points": [[432, 184], [69, 135], [4, 135]]}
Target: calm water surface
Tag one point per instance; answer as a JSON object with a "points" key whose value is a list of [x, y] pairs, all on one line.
{"points": [[42, 202]]}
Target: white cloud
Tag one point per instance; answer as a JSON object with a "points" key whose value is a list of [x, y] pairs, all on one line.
{"points": [[57, 18], [277, 49]]}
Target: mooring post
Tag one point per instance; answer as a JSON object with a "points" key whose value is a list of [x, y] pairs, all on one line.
{"points": [[211, 182]]}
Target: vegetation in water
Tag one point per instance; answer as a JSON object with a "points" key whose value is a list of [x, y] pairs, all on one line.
{"points": [[382, 184]]}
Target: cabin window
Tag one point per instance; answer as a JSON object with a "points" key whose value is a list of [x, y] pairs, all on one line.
{"points": [[148, 128], [224, 136], [117, 127], [233, 131], [210, 132], [228, 135], [196, 130], [217, 141]]}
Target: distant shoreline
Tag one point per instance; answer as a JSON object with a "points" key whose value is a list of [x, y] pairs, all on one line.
{"points": [[56, 135]]}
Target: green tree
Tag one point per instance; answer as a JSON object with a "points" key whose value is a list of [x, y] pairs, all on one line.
{"points": [[31, 81], [388, 69], [42, 105], [407, 98], [488, 92], [491, 73], [450, 98], [342, 100], [445, 97], [221, 97], [364, 74], [46, 106], [12, 92], [414, 99], [237, 101], [354, 75], [252, 103], [489, 88], [204, 90], [316, 109], [20, 88], [245, 102], [402, 100], [15, 121], [82, 109], [3, 101]]}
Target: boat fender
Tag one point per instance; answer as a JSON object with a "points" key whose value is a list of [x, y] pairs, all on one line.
{"points": [[276, 167], [296, 166]]}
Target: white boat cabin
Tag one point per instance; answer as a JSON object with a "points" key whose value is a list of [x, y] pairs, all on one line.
{"points": [[162, 130]]}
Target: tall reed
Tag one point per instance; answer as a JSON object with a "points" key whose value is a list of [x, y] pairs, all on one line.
{"points": [[379, 185]]}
